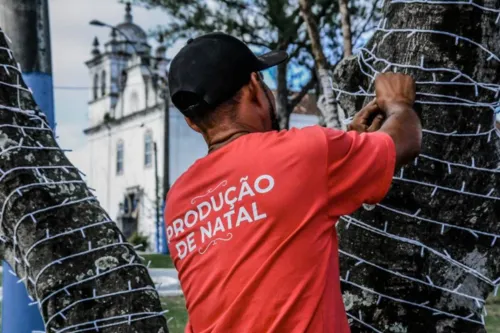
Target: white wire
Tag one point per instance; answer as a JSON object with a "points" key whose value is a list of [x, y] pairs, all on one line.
{"points": [[398, 300], [96, 297], [446, 257], [363, 323], [71, 256], [447, 2], [457, 38], [448, 225], [449, 189], [427, 283], [148, 315]]}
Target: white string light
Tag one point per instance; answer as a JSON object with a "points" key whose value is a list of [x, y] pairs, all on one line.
{"points": [[454, 133], [473, 167], [360, 320], [446, 257], [449, 189], [448, 2], [457, 38], [427, 283], [459, 101], [423, 305], [128, 321], [96, 297], [93, 225], [93, 277], [75, 255], [19, 189], [46, 209], [474, 232], [458, 74], [38, 123]]}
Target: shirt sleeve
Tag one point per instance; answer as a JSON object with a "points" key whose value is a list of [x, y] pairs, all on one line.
{"points": [[359, 169]]}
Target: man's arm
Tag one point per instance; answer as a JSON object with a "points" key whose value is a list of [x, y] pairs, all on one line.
{"points": [[384, 134], [403, 126], [395, 96]]}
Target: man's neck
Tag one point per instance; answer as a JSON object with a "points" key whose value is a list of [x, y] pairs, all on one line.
{"points": [[223, 138]]}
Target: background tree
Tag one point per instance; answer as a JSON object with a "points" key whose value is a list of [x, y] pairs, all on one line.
{"points": [[268, 25], [327, 104], [426, 258], [346, 26], [73, 259]]}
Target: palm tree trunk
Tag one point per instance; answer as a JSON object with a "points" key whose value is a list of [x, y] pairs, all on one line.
{"points": [[426, 258], [76, 264]]}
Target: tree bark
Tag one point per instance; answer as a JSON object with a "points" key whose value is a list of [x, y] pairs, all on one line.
{"points": [[345, 18], [326, 103], [282, 109], [425, 258], [74, 261]]}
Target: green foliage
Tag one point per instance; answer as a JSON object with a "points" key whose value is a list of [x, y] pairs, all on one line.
{"points": [[266, 24], [158, 260], [139, 239], [270, 25]]}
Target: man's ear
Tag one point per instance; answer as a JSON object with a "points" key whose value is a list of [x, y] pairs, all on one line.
{"points": [[255, 81], [193, 126], [255, 89]]}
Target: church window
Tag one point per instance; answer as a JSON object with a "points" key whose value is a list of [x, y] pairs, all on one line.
{"points": [[148, 148], [96, 86], [134, 102], [103, 83], [119, 157]]}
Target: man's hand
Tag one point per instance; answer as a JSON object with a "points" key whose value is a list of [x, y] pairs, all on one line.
{"points": [[394, 89], [368, 119], [395, 94]]}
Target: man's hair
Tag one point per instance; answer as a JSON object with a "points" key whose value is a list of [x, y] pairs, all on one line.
{"points": [[203, 115]]}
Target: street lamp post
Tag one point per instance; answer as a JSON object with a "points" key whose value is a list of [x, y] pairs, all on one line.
{"points": [[166, 129]]}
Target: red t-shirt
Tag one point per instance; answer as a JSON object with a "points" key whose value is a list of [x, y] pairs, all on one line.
{"points": [[251, 228]]}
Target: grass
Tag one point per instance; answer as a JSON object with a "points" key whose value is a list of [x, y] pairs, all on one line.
{"points": [[177, 311], [158, 260], [493, 317], [176, 306]]}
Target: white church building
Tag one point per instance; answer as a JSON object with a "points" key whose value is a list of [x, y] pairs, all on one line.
{"points": [[126, 116]]}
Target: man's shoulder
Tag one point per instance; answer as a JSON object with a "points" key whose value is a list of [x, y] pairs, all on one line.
{"points": [[304, 134], [310, 137]]}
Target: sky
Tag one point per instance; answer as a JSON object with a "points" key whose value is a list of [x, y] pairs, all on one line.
{"points": [[71, 39]]}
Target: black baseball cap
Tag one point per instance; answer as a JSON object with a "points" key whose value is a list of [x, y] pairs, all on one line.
{"points": [[211, 68]]}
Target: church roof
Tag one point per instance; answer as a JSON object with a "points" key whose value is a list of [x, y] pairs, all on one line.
{"points": [[134, 32]]}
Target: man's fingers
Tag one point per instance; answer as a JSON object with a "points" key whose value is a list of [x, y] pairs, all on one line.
{"points": [[370, 108], [363, 117], [363, 114], [376, 123], [358, 128]]}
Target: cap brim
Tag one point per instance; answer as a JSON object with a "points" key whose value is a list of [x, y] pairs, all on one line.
{"points": [[271, 59]]}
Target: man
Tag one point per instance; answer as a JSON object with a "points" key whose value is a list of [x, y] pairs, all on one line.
{"points": [[251, 226]]}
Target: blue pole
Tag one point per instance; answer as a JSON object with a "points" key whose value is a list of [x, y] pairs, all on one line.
{"points": [[164, 247], [17, 315], [27, 24]]}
